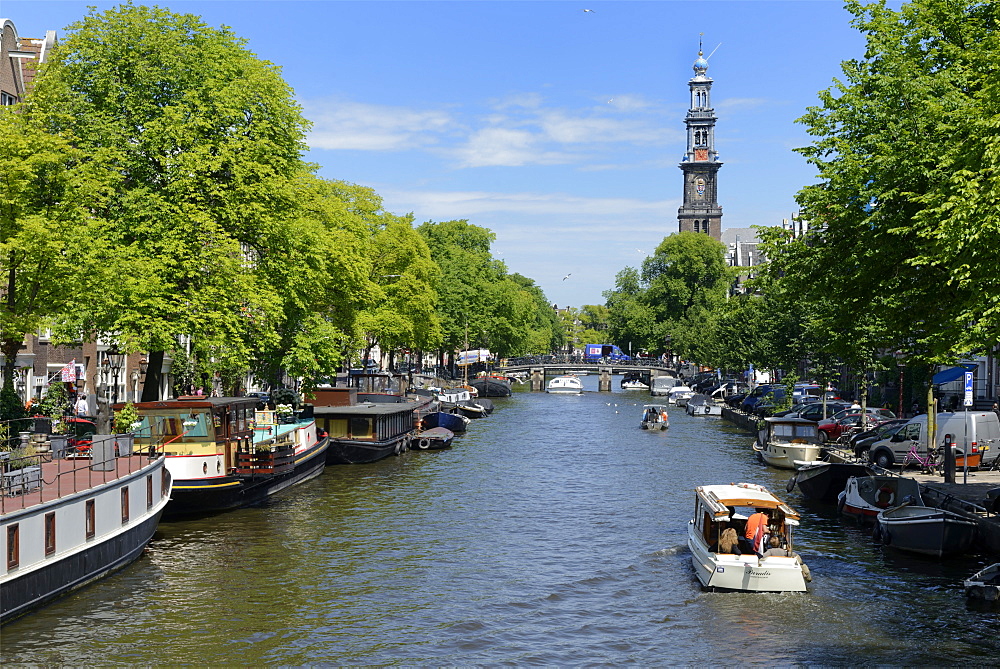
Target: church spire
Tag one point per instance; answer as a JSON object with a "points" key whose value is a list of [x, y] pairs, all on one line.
{"points": [[700, 211]]}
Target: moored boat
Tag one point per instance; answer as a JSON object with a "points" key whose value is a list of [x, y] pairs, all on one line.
{"points": [[782, 441], [654, 417], [720, 516], [362, 433], [568, 384], [457, 423], [679, 395], [491, 385], [635, 381], [702, 405], [224, 454], [434, 438], [824, 481], [925, 530], [984, 584], [77, 521], [865, 496]]}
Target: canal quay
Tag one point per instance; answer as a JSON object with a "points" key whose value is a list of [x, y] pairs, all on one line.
{"points": [[552, 533]]}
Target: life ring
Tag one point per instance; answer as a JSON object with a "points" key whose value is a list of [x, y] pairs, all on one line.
{"points": [[424, 444], [708, 409]]}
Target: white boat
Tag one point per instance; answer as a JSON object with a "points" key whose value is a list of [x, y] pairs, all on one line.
{"points": [[703, 405], [634, 381], [566, 385], [76, 521], [784, 440], [985, 584], [654, 417], [679, 394], [743, 570], [865, 496]]}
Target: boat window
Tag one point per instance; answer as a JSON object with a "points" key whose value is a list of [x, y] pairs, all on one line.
{"points": [[13, 546], [50, 533], [336, 427], [805, 430], [125, 508], [175, 427], [783, 430], [91, 518], [361, 427]]}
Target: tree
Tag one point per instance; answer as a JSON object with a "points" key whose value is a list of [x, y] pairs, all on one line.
{"points": [[207, 142], [48, 237], [905, 224]]}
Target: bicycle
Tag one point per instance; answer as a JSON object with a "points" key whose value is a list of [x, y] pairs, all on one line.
{"points": [[927, 463]]}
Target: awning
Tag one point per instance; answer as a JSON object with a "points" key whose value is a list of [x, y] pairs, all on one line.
{"points": [[953, 374]]}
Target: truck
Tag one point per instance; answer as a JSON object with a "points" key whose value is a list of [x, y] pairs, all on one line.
{"points": [[604, 353]]}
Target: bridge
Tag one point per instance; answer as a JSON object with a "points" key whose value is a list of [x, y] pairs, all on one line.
{"points": [[537, 371]]}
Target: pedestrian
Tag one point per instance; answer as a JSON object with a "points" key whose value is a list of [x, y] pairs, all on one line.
{"points": [[855, 405], [996, 409], [914, 409], [81, 406]]}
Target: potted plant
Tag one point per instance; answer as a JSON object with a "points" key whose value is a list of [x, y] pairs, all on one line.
{"points": [[126, 424]]}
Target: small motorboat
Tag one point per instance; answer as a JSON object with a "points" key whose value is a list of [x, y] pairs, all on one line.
{"points": [[434, 438], [984, 584], [824, 481], [720, 513], [865, 496], [783, 440], [634, 381], [455, 422], [566, 385], [654, 417], [925, 530], [679, 395], [703, 405], [473, 409]]}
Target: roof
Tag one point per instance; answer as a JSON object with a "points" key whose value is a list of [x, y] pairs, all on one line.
{"points": [[789, 419], [366, 409], [718, 497]]}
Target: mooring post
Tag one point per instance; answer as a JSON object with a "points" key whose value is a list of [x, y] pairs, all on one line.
{"points": [[537, 378], [604, 384]]}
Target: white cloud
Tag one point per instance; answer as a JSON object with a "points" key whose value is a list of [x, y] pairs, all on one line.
{"points": [[742, 103], [506, 146], [365, 127]]}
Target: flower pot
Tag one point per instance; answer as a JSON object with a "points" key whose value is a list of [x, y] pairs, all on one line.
{"points": [[59, 445], [124, 444]]}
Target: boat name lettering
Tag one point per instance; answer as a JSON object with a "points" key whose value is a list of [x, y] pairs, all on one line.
{"points": [[757, 573]]}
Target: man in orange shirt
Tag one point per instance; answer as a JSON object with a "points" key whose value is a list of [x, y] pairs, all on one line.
{"points": [[756, 530]]}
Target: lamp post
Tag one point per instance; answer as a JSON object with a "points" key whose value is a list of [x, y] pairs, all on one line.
{"points": [[113, 363], [900, 363]]}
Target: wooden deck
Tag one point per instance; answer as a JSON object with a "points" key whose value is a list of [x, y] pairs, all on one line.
{"points": [[64, 477]]}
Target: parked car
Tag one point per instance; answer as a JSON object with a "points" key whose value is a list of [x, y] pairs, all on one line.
{"points": [[878, 413], [863, 441], [831, 430], [756, 395], [795, 410], [815, 410]]}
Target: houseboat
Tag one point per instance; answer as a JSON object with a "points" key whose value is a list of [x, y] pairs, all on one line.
{"points": [[66, 522], [788, 442], [366, 432], [224, 453]]}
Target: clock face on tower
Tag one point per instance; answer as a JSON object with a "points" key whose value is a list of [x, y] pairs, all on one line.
{"points": [[701, 154]]}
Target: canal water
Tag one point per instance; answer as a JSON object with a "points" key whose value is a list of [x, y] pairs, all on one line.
{"points": [[552, 533]]}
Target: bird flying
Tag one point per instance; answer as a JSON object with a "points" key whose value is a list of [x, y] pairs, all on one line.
{"points": [[590, 10], [567, 276]]}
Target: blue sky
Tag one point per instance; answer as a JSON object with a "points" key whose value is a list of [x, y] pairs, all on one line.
{"points": [[558, 129]]}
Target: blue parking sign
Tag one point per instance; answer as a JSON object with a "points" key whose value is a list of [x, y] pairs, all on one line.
{"points": [[968, 389]]}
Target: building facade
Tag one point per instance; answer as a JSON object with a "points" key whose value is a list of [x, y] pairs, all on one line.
{"points": [[700, 211]]}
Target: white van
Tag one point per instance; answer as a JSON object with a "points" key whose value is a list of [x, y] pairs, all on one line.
{"points": [[975, 432]]}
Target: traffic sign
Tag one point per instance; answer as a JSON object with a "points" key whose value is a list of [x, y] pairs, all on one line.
{"points": [[968, 389]]}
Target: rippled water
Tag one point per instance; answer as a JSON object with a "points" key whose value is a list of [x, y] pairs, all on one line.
{"points": [[554, 532]]}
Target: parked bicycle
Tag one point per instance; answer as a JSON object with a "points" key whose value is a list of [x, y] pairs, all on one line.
{"points": [[928, 463]]}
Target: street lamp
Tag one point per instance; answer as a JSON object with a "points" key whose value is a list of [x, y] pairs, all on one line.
{"points": [[113, 363]]}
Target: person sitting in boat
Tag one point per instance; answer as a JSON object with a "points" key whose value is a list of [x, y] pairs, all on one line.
{"points": [[755, 534], [729, 542], [776, 550]]}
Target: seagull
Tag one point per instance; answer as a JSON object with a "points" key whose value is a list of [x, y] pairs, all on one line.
{"points": [[611, 100], [593, 12], [567, 276]]}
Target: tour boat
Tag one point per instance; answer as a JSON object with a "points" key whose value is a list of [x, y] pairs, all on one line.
{"points": [[782, 441], [984, 584], [566, 385], [744, 570], [865, 496], [66, 522], [224, 454], [434, 438], [925, 530], [654, 417]]}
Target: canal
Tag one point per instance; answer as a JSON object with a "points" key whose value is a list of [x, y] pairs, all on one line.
{"points": [[553, 533]]}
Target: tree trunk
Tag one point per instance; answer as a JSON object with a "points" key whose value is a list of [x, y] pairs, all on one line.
{"points": [[154, 377]]}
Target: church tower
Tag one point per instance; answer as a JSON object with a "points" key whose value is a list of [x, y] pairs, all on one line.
{"points": [[700, 211]]}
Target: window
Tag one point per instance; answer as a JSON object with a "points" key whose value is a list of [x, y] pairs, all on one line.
{"points": [[124, 505], [7, 99], [91, 519], [13, 546], [164, 482], [361, 427], [149, 491], [50, 533]]}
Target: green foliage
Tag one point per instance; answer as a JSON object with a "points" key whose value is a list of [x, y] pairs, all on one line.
{"points": [[125, 417], [11, 407], [285, 396], [55, 404]]}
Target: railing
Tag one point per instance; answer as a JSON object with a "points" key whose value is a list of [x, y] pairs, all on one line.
{"points": [[31, 479]]}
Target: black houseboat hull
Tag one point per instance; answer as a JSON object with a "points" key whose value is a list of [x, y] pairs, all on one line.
{"points": [[357, 452], [204, 496], [491, 387], [824, 482]]}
